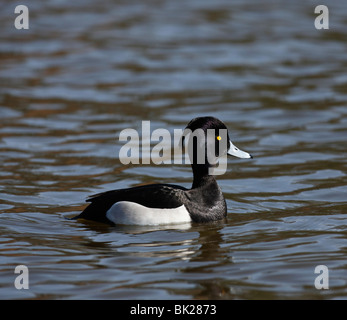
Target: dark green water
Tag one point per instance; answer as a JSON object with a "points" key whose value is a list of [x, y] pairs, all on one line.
{"points": [[85, 70]]}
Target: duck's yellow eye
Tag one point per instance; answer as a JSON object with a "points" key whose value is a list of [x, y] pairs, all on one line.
{"points": [[219, 138]]}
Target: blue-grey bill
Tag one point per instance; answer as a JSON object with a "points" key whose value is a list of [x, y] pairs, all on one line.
{"points": [[236, 152]]}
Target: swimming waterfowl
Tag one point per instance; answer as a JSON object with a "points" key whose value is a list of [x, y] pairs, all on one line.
{"points": [[159, 204]]}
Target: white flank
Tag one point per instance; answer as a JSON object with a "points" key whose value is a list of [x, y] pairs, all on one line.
{"points": [[131, 213]]}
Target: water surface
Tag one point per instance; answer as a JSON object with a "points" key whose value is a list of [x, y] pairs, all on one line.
{"points": [[85, 71]]}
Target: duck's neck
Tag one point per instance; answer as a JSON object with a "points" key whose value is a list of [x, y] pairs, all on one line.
{"points": [[201, 176]]}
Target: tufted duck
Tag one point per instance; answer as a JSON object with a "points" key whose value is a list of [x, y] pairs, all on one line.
{"points": [[159, 204]]}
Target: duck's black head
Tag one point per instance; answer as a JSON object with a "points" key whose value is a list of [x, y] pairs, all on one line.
{"points": [[207, 139]]}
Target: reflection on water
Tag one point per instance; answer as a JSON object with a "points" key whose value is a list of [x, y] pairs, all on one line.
{"points": [[84, 72]]}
